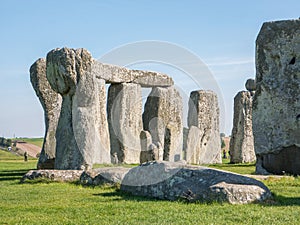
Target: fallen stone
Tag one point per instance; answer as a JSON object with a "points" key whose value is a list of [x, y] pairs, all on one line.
{"points": [[241, 142], [173, 181], [204, 114], [276, 104], [53, 175], [115, 74], [125, 121], [104, 176], [162, 117], [51, 103]]}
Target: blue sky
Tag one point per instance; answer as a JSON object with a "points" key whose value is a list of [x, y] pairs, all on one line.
{"points": [[221, 33]]}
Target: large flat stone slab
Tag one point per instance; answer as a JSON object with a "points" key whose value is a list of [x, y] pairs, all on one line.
{"points": [[116, 74], [173, 181]]}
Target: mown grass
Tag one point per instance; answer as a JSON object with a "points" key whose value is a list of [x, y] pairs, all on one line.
{"points": [[63, 203], [35, 141]]}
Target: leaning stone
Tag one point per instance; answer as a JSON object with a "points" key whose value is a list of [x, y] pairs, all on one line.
{"points": [[173, 181], [276, 108], [204, 114], [125, 121], [241, 142], [116, 74], [51, 103], [162, 117]]}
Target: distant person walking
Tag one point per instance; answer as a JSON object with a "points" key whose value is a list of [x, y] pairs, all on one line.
{"points": [[25, 156]]}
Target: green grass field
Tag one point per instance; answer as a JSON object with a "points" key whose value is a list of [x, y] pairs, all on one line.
{"points": [[64, 203], [34, 141]]}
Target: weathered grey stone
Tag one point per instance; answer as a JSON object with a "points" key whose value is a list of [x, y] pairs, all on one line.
{"points": [[250, 85], [193, 148], [172, 181], [78, 141], [276, 104], [102, 155], [116, 74], [162, 117], [241, 142], [51, 103], [204, 114], [149, 152], [104, 176], [125, 121], [53, 175]]}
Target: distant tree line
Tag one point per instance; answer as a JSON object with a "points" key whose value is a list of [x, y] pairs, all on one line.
{"points": [[5, 142]]}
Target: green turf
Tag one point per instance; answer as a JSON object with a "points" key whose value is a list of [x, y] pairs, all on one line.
{"points": [[35, 141], [62, 203]]}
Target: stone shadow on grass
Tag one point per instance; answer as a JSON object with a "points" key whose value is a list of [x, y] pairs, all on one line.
{"points": [[119, 195], [6, 175]]}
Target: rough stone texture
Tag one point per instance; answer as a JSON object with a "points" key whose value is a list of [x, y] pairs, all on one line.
{"points": [[102, 155], [78, 144], [276, 104], [241, 142], [193, 150], [104, 176], [51, 103], [162, 117], [53, 175], [125, 121], [115, 74], [204, 114], [149, 151], [250, 85], [172, 181]]}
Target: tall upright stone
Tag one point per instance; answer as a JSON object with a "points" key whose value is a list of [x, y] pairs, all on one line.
{"points": [[241, 142], [51, 103], [69, 73], [276, 104], [103, 154], [162, 117], [204, 114], [125, 121]]}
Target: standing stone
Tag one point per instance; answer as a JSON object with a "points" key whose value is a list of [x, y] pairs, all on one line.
{"points": [[204, 114], [241, 142], [162, 117], [125, 121], [102, 155], [51, 103], [146, 147], [69, 73], [276, 104], [193, 146]]}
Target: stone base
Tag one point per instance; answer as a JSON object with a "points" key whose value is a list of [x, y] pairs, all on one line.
{"points": [[48, 164], [286, 161]]}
